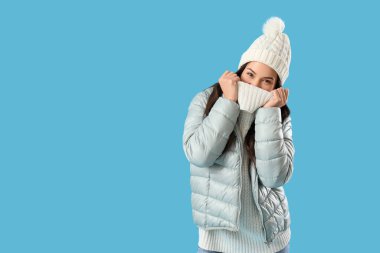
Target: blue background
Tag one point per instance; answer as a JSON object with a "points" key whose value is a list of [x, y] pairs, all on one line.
{"points": [[93, 99]]}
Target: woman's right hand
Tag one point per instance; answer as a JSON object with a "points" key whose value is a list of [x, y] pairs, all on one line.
{"points": [[228, 83]]}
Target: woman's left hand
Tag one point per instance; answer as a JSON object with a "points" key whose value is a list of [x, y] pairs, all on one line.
{"points": [[279, 98]]}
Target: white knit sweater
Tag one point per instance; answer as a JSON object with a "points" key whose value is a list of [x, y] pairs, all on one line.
{"points": [[250, 237]]}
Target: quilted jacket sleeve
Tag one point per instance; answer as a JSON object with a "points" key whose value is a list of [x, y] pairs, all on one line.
{"points": [[204, 138], [274, 147]]}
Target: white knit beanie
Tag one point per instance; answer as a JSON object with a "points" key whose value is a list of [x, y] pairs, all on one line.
{"points": [[271, 48]]}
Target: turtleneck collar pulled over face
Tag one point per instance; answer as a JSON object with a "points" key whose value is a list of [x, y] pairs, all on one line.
{"points": [[251, 97]]}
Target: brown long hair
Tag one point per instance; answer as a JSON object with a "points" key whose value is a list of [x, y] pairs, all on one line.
{"points": [[250, 137]]}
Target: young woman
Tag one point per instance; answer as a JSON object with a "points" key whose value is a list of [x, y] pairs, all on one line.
{"points": [[238, 139]]}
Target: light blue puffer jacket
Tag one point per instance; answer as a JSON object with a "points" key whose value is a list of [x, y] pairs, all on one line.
{"points": [[215, 178]]}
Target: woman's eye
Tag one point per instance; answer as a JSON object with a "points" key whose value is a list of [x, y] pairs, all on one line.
{"points": [[250, 74], [268, 81]]}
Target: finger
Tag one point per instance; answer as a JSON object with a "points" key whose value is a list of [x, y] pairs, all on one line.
{"points": [[233, 73], [283, 95], [287, 94], [278, 94], [275, 96]]}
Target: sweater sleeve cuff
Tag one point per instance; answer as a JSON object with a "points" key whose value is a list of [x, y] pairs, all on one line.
{"points": [[268, 114]]}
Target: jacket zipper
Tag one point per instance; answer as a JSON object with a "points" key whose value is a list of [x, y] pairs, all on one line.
{"points": [[237, 132], [261, 213]]}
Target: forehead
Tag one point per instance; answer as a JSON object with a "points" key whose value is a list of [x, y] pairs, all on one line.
{"points": [[261, 69]]}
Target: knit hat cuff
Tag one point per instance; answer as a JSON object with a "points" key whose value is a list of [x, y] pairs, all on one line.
{"points": [[250, 97]]}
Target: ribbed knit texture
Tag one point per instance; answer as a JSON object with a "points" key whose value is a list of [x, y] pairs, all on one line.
{"points": [[250, 238], [250, 97]]}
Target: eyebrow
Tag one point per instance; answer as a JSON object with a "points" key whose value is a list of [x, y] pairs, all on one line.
{"points": [[264, 77]]}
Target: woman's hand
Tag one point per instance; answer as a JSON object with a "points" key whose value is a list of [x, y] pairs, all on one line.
{"points": [[228, 83], [279, 98]]}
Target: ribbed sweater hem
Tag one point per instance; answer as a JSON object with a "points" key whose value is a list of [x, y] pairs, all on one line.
{"points": [[229, 244]]}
